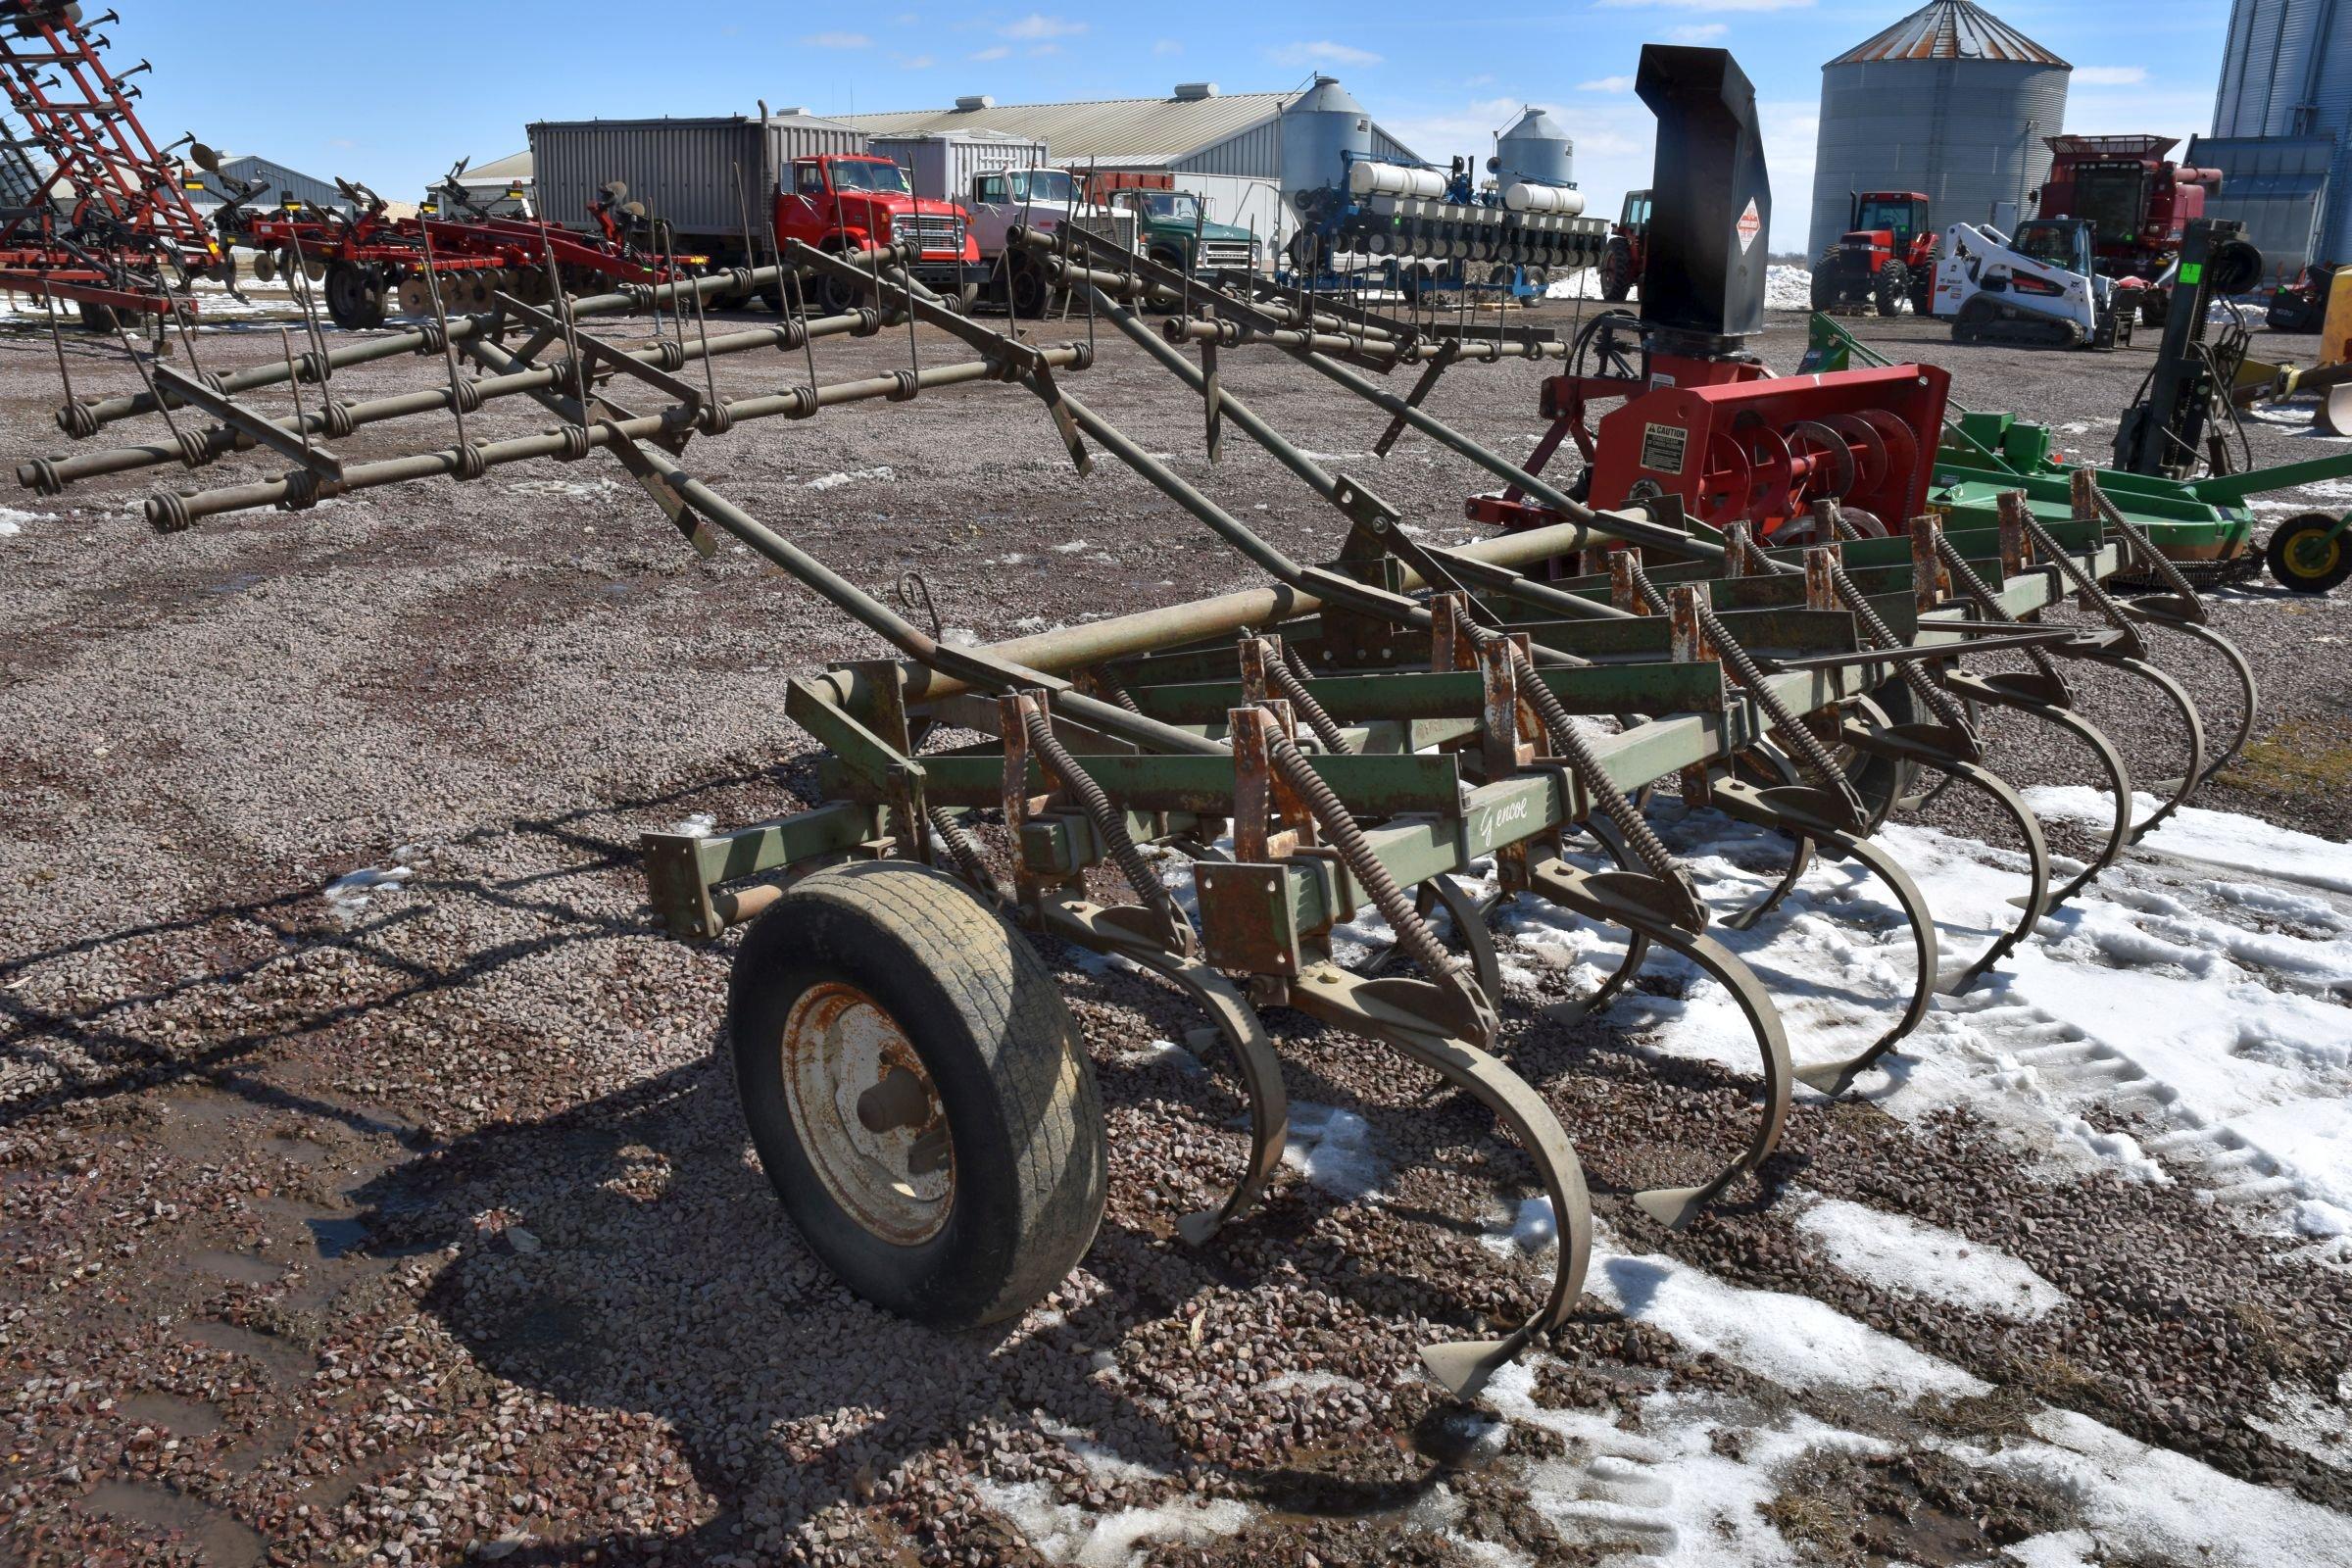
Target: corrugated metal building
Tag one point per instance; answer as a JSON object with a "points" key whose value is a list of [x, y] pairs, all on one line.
{"points": [[2283, 128], [1950, 101], [235, 171], [488, 183], [1193, 131]]}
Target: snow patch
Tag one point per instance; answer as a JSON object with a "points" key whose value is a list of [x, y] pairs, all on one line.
{"points": [[1333, 1146], [349, 896], [1914, 1258], [13, 522], [1788, 288], [2218, 838], [834, 481], [1063, 1533]]}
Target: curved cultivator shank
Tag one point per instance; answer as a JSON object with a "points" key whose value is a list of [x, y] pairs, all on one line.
{"points": [[1392, 726]]}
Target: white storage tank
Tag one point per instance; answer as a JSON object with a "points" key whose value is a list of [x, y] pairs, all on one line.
{"points": [[942, 165], [1951, 102], [1533, 151], [1521, 197], [1368, 178]]}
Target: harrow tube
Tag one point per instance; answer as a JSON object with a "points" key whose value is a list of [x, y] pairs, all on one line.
{"points": [[170, 512], [110, 409], [39, 474]]}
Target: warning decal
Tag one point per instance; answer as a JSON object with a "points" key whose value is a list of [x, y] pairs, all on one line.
{"points": [[1751, 223], [1663, 448]]}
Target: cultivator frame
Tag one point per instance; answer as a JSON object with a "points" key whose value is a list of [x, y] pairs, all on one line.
{"points": [[1368, 731]]}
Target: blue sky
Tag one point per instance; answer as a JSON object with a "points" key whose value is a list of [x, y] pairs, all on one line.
{"points": [[393, 96]]}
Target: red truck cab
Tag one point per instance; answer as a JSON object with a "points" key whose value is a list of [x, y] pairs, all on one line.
{"points": [[849, 201]]}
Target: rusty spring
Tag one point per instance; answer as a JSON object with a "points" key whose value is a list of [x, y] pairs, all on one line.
{"points": [[1810, 754], [1318, 718], [1330, 813], [1109, 824], [2155, 559], [965, 850], [1939, 700], [1976, 588]]}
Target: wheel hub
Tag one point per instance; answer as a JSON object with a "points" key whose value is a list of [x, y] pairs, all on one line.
{"points": [[869, 1115]]}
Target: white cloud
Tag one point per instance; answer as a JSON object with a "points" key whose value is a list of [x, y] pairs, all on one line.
{"points": [[992, 52], [1607, 85], [1322, 52], [1038, 25], [836, 40], [1166, 46], [1703, 5], [2110, 75], [1697, 32], [1038, 51], [917, 62]]}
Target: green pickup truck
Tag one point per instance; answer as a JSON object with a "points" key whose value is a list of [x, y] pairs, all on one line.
{"points": [[1170, 221]]}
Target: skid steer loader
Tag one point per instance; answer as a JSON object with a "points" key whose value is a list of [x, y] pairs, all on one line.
{"points": [[2036, 288]]}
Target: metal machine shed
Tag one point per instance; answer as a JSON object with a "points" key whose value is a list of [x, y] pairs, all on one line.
{"points": [[1196, 129], [282, 181]]}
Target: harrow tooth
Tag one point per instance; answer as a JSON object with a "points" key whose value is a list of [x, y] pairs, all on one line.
{"points": [[1470, 929], [2010, 694], [2178, 790], [2243, 730]]}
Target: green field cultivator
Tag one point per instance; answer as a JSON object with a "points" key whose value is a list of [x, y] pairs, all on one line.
{"points": [[1387, 728]]}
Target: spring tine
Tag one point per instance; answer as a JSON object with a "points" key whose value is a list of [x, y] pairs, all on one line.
{"points": [[1833, 1078], [161, 406], [449, 353], [58, 341]]}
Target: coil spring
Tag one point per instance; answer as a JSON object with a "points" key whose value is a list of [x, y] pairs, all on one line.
{"points": [[310, 365], [40, 476], [340, 421], [1949, 555], [1109, 824], [2082, 580], [77, 420], [472, 464], [1327, 730], [432, 338], [904, 385], [196, 449], [790, 335], [1330, 813], [302, 491], [714, 419], [1813, 756], [169, 513], [576, 444], [803, 402], [965, 850], [2154, 559]]}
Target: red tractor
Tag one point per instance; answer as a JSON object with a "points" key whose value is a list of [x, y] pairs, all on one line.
{"points": [[1887, 256], [1629, 238]]}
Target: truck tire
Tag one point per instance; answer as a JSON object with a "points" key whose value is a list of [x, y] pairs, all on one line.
{"points": [[1174, 262], [1923, 280], [97, 317], [1617, 271], [2155, 304], [835, 296], [1028, 294], [1891, 287], [917, 1094]]}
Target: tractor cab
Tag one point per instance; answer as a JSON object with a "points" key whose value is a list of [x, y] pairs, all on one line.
{"points": [[1633, 219], [1627, 252], [1888, 221]]}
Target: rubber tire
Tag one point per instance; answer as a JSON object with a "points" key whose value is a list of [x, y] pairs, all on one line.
{"points": [[965, 300], [2154, 306], [101, 320], [834, 296], [1923, 279], [355, 296], [2283, 570], [988, 1021], [1617, 271], [1028, 295], [1825, 293], [1890, 288], [1174, 262]]}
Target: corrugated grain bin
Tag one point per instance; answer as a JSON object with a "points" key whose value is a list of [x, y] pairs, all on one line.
{"points": [[940, 165], [684, 170]]}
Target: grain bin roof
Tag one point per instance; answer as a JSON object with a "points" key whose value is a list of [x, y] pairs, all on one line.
{"points": [[1952, 29], [1125, 130]]}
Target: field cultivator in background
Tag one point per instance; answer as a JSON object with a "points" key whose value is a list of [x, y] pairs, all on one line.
{"points": [[371, 265], [106, 226], [1381, 730]]}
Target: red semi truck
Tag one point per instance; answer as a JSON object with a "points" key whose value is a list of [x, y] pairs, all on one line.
{"points": [[704, 179]]}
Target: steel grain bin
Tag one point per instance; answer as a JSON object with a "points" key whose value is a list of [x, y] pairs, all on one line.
{"points": [[1950, 101], [698, 174], [1316, 128], [2282, 120]]}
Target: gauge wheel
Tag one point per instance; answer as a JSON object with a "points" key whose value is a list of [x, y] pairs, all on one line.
{"points": [[97, 317], [355, 296], [1031, 296], [2309, 554], [917, 1094]]}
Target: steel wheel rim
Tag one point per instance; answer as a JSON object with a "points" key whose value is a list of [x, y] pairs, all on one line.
{"points": [[868, 1116], [2313, 553]]}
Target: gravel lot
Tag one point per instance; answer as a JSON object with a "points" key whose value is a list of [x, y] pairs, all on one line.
{"points": [[416, 1223]]}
